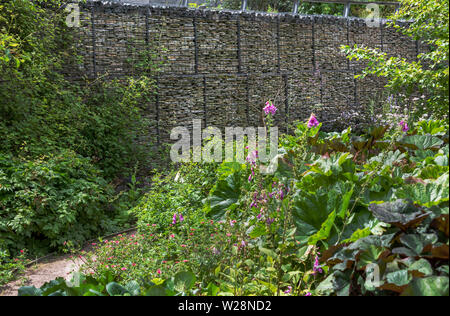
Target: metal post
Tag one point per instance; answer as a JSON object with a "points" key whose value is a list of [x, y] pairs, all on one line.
{"points": [[185, 3], [244, 5], [296, 4], [347, 10]]}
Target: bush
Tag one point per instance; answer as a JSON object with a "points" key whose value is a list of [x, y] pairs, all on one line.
{"points": [[9, 266], [63, 141], [47, 201], [167, 197]]}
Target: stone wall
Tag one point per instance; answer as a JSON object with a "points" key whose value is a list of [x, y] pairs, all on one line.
{"points": [[222, 66]]}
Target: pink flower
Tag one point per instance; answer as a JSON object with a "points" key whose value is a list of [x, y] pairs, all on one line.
{"points": [[124, 269], [184, 246], [288, 290], [174, 219], [313, 122], [133, 264], [270, 108], [308, 294], [404, 126], [159, 271], [317, 267]]}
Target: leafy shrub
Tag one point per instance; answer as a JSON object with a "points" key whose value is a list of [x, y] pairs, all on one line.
{"points": [[422, 82], [9, 266], [167, 197], [410, 258], [50, 200], [63, 140]]}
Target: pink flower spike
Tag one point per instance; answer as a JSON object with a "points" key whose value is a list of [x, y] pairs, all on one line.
{"points": [[270, 108], [404, 126], [174, 219], [313, 122]]}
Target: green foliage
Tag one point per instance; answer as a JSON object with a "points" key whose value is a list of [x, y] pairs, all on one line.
{"points": [[427, 76], [226, 192], [9, 266], [410, 259], [50, 200], [338, 204], [167, 197], [178, 285], [64, 141]]}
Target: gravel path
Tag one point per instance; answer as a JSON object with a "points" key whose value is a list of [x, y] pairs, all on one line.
{"points": [[49, 269], [45, 271]]}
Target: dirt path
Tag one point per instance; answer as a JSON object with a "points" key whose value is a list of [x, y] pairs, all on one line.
{"points": [[45, 271], [49, 269]]}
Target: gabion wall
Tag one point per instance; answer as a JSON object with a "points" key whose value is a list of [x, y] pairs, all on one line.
{"points": [[221, 66]]}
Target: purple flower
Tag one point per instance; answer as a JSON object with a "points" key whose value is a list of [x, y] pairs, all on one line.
{"points": [[174, 219], [308, 294], [313, 122], [288, 290], [317, 267], [250, 178], [404, 126], [181, 218], [269, 221], [259, 216], [281, 194], [270, 108]]}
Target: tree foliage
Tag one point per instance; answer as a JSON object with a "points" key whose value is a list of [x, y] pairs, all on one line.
{"points": [[427, 77]]}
